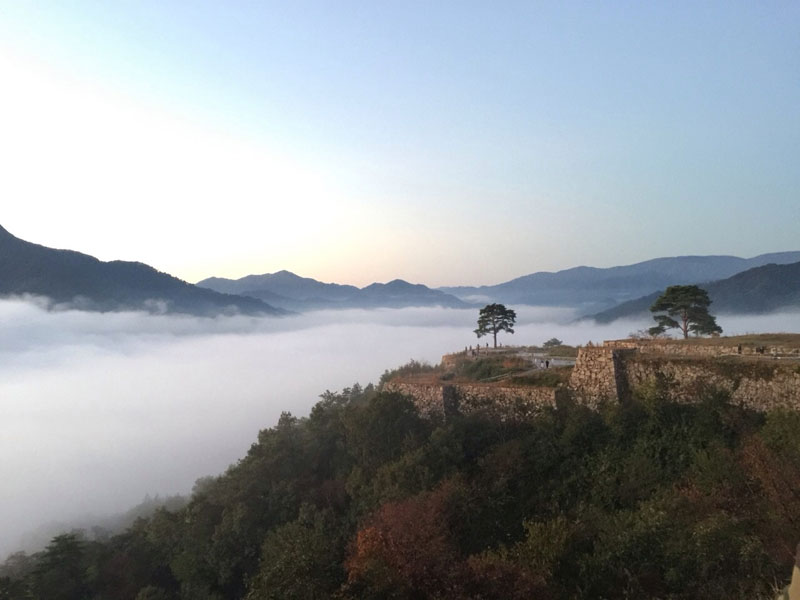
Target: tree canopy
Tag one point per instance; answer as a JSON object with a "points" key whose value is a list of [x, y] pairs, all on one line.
{"points": [[494, 318], [552, 343], [364, 499], [684, 307]]}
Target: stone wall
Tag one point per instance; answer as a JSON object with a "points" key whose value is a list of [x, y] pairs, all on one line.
{"points": [[761, 386], [621, 344], [504, 402], [612, 371], [428, 397], [450, 361], [599, 374], [517, 402], [681, 348]]}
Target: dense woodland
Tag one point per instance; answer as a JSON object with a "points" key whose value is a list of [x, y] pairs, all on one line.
{"points": [[365, 499]]}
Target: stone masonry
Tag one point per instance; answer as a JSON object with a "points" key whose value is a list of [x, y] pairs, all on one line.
{"points": [[504, 402], [688, 349], [775, 387], [759, 380], [611, 371], [600, 374]]}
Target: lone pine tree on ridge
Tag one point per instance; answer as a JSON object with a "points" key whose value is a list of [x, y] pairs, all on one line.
{"points": [[690, 304], [493, 318]]}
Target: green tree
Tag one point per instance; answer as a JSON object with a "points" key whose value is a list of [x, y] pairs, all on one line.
{"points": [[301, 559], [493, 318], [552, 343], [61, 572], [684, 307]]}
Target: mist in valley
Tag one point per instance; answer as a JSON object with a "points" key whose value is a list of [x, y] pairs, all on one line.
{"points": [[100, 410]]}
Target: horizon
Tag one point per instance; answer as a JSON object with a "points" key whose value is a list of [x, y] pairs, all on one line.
{"points": [[355, 143], [477, 285]]}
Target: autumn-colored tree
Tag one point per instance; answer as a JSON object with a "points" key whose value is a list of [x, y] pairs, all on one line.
{"points": [[408, 545]]}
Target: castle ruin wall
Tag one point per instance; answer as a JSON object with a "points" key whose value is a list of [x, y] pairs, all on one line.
{"points": [[504, 402], [776, 387]]}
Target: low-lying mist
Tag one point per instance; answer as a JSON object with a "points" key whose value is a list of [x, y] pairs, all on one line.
{"points": [[99, 410]]}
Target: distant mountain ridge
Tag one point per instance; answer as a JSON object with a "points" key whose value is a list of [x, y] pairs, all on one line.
{"points": [[78, 280], [760, 290], [292, 292], [594, 289], [81, 281]]}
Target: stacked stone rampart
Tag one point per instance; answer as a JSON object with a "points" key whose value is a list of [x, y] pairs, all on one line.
{"points": [[765, 388], [450, 361], [756, 377], [678, 348], [630, 344], [599, 374], [504, 402], [428, 397], [611, 371], [518, 402]]}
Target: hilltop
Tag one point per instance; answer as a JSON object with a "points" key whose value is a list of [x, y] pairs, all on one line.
{"points": [[587, 288], [77, 280], [593, 289], [758, 371], [760, 290], [286, 290]]}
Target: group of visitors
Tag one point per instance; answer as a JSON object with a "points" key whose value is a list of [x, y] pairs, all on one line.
{"points": [[470, 351]]}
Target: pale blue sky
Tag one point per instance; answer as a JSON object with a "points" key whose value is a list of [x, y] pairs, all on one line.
{"points": [[440, 142]]}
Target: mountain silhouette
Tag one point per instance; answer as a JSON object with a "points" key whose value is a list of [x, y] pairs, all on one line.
{"points": [[74, 280], [292, 292], [595, 289], [759, 290]]}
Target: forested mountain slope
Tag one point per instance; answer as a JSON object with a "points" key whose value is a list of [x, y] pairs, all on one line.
{"points": [[755, 291], [82, 281], [364, 499], [605, 287], [287, 290]]}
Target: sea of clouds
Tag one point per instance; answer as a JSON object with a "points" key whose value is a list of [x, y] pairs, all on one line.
{"points": [[99, 410]]}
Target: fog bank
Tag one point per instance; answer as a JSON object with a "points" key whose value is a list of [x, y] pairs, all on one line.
{"points": [[101, 409]]}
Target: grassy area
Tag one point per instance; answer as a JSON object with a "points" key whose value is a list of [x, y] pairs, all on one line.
{"points": [[545, 378], [491, 367], [512, 365], [562, 351], [413, 369], [502, 369]]}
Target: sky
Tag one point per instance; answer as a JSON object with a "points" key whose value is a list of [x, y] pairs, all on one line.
{"points": [[439, 142]]}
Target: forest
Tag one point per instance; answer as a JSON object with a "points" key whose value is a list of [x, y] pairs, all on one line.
{"points": [[363, 498]]}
